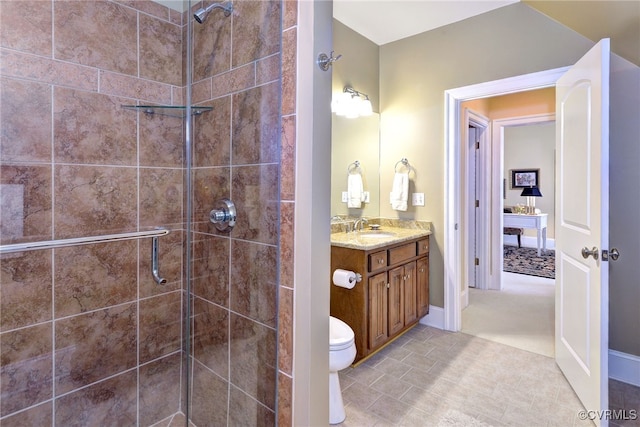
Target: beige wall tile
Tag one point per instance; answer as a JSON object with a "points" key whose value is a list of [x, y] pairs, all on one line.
{"points": [[211, 135], [256, 125], [160, 326], [240, 78], [256, 33], [26, 359], [212, 45], [160, 45], [211, 336], [94, 346], [253, 287], [113, 399], [131, 87], [255, 193], [25, 121], [253, 359], [25, 286], [27, 203], [94, 200], [101, 34], [91, 128], [26, 26], [45, 70], [101, 275], [159, 386]]}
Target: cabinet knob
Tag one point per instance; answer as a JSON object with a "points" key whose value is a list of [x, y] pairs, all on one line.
{"points": [[380, 261], [424, 246], [388, 285], [422, 270]]}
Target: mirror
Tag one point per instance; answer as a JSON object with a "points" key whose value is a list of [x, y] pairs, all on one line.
{"points": [[359, 138], [351, 140]]}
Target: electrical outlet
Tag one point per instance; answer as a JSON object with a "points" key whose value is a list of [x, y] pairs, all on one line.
{"points": [[417, 199], [345, 197], [366, 196]]}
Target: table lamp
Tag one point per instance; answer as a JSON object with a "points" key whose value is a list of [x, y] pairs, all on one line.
{"points": [[531, 193]]}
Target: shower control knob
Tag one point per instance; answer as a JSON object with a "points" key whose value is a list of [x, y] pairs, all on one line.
{"points": [[224, 215]]}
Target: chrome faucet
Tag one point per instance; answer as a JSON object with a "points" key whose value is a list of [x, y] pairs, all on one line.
{"points": [[360, 222]]}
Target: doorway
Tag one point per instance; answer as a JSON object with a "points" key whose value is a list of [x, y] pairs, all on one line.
{"points": [[453, 217], [517, 307]]}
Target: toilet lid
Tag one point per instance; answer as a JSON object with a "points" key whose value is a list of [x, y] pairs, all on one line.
{"points": [[340, 334]]}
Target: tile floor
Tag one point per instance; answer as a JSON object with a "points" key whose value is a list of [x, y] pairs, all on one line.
{"points": [[426, 374]]}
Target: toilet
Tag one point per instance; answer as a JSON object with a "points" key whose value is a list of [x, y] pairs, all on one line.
{"points": [[342, 352]]}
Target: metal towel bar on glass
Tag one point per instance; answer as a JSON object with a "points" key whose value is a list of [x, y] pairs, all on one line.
{"points": [[61, 243]]}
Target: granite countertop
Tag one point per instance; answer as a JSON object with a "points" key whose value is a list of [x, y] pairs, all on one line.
{"points": [[359, 239]]}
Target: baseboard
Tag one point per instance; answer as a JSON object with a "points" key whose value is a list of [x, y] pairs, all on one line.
{"points": [[435, 318], [532, 242], [624, 367]]}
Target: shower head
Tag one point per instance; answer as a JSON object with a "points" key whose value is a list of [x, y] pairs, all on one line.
{"points": [[201, 14]]}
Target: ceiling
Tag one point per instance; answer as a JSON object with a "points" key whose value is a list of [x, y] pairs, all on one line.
{"points": [[384, 21]]}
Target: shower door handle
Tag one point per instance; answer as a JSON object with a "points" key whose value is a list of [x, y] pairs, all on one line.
{"points": [[155, 268], [224, 216]]}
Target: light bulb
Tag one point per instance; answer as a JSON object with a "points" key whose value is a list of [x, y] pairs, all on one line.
{"points": [[365, 108], [342, 104]]}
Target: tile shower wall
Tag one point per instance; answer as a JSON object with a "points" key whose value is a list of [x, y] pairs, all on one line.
{"points": [[237, 65], [86, 335]]}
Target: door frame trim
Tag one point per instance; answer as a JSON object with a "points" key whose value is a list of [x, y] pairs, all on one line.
{"points": [[482, 178], [452, 245]]}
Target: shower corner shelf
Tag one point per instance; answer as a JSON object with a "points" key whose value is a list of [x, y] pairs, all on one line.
{"points": [[168, 110]]}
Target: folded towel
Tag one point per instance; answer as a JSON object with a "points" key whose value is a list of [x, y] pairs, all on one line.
{"points": [[400, 191], [355, 189]]}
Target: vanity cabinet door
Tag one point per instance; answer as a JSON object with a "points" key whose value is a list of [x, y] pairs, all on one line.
{"points": [[422, 279], [378, 312], [410, 294], [396, 300]]}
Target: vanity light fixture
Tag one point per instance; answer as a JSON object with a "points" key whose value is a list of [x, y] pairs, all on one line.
{"points": [[351, 104]]}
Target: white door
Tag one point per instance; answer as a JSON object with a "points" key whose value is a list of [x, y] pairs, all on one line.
{"points": [[582, 221]]}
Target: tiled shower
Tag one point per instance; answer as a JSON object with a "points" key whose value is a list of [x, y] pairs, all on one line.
{"points": [[87, 337]]}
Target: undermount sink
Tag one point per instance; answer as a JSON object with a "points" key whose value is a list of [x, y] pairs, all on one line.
{"points": [[375, 234]]}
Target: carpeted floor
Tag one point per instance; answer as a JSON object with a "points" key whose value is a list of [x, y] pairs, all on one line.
{"points": [[526, 261]]}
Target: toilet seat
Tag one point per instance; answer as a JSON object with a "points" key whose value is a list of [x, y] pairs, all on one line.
{"points": [[341, 336]]}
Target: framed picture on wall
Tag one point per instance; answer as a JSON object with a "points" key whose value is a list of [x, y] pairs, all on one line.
{"points": [[521, 178]]}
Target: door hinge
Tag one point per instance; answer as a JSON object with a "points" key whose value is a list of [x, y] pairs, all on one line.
{"points": [[477, 261], [478, 145], [477, 203]]}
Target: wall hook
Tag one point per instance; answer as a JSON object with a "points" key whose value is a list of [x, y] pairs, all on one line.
{"points": [[324, 61]]}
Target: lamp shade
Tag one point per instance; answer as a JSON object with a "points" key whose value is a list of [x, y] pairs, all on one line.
{"points": [[531, 192]]}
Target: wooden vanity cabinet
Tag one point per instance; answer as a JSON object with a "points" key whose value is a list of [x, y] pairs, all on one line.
{"points": [[392, 296]]}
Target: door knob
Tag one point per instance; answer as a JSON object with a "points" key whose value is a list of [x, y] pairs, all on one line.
{"points": [[593, 252]]}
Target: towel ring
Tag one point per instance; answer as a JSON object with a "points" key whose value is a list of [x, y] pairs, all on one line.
{"points": [[356, 167], [404, 162]]}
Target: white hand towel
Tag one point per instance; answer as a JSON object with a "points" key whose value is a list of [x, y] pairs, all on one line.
{"points": [[355, 188], [400, 191]]}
